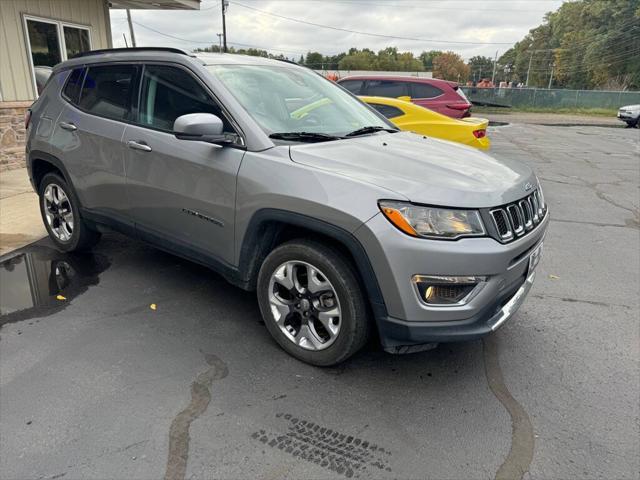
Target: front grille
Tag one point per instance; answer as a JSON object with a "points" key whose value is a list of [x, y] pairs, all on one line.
{"points": [[516, 219]]}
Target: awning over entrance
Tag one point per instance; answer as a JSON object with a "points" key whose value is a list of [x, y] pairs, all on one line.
{"points": [[155, 4]]}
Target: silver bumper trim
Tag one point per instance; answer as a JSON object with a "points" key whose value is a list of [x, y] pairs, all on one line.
{"points": [[512, 305]]}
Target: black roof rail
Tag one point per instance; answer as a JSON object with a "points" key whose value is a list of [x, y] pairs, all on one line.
{"points": [[286, 60], [133, 49]]}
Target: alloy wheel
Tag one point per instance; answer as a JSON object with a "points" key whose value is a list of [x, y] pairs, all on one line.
{"points": [[58, 212], [304, 305]]}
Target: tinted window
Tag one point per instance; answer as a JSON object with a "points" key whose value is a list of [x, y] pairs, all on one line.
{"points": [[387, 88], [387, 110], [424, 90], [74, 83], [108, 91], [354, 86], [169, 92]]}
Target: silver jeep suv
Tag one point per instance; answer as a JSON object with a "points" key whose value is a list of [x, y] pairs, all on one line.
{"points": [[285, 183]]}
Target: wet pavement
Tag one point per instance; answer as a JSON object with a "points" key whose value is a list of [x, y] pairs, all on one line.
{"points": [[94, 383]]}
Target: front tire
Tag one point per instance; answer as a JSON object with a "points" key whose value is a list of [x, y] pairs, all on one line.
{"points": [[312, 302], [60, 212]]}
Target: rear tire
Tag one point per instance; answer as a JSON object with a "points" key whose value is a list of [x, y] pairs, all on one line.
{"points": [[312, 302], [60, 210]]}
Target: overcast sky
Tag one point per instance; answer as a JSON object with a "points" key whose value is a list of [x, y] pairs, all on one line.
{"points": [[480, 26]]}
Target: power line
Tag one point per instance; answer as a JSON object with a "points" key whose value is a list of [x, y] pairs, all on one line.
{"points": [[371, 34], [192, 42], [610, 59], [481, 7]]}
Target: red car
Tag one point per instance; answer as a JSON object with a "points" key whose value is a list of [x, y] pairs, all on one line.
{"points": [[440, 96]]}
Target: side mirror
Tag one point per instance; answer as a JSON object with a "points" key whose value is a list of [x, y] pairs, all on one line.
{"points": [[202, 127], [405, 98]]}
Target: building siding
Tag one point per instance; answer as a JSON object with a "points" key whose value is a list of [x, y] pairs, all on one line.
{"points": [[16, 82]]}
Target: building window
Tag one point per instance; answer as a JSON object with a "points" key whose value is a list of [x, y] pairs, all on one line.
{"points": [[76, 40], [51, 42]]}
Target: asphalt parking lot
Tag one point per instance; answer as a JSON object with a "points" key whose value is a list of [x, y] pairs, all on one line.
{"points": [[95, 384]]}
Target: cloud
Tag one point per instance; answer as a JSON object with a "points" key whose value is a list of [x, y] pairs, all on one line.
{"points": [[503, 21]]}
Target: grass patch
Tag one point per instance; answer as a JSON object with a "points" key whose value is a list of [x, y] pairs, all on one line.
{"points": [[592, 112]]}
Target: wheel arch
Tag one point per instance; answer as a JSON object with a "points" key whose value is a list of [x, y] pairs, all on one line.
{"points": [[40, 163], [269, 228]]}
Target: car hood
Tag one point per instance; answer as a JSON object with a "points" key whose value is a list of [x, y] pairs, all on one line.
{"points": [[630, 107], [422, 169]]}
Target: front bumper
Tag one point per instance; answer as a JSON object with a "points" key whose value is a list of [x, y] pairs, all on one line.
{"points": [[628, 116], [400, 336], [409, 323]]}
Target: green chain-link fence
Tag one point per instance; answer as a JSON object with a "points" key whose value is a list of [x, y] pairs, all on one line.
{"points": [[544, 98]]}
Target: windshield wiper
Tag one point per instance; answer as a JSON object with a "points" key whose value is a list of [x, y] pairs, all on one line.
{"points": [[370, 129], [304, 136]]}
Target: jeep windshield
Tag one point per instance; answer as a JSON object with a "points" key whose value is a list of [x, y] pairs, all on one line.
{"points": [[295, 104]]}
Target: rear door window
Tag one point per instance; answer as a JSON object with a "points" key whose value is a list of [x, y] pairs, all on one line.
{"points": [[354, 86], [387, 88], [168, 92], [74, 83], [387, 110], [425, 90], [109, 90]]}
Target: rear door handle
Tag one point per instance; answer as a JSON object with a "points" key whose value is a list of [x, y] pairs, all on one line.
{"points": [[138, 146], [68, 126]]}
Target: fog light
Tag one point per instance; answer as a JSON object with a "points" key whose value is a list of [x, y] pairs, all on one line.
{"points": [[437, 290]]}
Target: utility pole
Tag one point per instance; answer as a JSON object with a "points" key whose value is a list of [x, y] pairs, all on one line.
{"points": [[125, 40], [219, 42], [131, 34], [529, 69], [225, 4], [495, 63], [551, 77]]}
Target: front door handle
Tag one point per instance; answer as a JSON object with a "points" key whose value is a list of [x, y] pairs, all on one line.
{"points": [[138, 146], [68, 126]]}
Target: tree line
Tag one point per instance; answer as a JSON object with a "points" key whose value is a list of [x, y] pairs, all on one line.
{"points": [[585, 44], [447, 65]]}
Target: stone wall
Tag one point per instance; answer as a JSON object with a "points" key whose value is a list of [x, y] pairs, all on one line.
{"points": [[12, 134]]}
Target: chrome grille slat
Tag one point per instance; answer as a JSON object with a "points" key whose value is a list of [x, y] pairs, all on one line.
{"points": [[528, 216], [518, 218], [502, 224], [515, 216], [534, 208]]}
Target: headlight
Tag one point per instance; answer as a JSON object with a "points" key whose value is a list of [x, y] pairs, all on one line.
{"points": [[432, 222]]}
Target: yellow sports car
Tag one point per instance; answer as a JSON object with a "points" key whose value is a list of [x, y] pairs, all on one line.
{"points": [[414, 118]]}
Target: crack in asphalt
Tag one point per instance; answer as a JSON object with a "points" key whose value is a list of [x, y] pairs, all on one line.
{"points": [[179, 431], [517, 462]]}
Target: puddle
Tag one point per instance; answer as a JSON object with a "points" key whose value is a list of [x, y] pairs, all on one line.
{"points": [[32, 278]]}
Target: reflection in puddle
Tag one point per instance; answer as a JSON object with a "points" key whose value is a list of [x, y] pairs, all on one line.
{"points": [[32, 278]]}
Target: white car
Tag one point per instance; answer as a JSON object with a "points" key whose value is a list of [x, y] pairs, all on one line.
{"points": [[630, 114]]}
